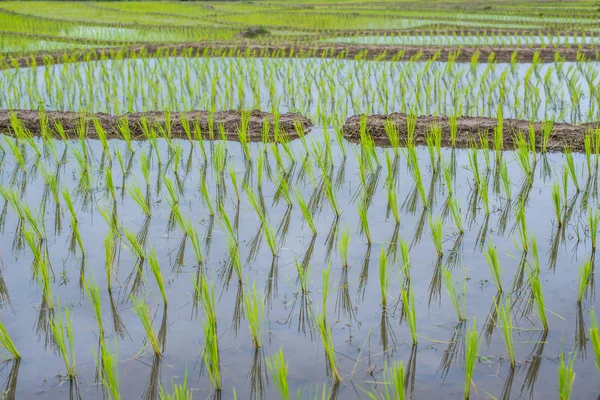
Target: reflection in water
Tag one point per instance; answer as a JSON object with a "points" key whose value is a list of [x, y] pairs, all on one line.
{"points": [[257, 375], [455, 350], [10, 387]]}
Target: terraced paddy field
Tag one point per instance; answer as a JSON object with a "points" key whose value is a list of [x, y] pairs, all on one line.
{"points": [[360, 200]]}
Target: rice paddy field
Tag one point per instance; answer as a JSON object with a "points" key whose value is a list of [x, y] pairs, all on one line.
{"points": [[312, 199]]}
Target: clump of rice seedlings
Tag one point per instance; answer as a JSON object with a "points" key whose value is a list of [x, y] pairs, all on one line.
{"points": [[452, 120], [436, 230], [308, 217], [471, 351], [454, 206], [210, 352], [109, 257], [595, 337], [206, 197], [62, 330], [384, 277], [556, 200], [566, 377], [344, 243], [536, 290], [142, 310], [583, 280], [505, 179], [327, 338], [7, 343], [593, 219], [411, 315], [155, 268], [93, 293], [458, 302], [136, 247], [391, 131], [364, 219], [571, 168], [494, 263], [254, 309], [179, 392], [505, 324], [108, 364], [140, 199], [393, 383], [393, 203], [279, 374], [546, 133], [483, 189], [522, 226], [74, 220]]}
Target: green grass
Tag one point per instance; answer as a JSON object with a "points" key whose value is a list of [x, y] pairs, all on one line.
{"points": [[62, 330], [594, 335]]}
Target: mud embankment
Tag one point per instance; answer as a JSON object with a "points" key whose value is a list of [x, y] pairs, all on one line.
{"points": [[202, 121], [469, 129], [525, 54]]}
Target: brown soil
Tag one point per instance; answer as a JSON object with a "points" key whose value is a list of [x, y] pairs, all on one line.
{"points": [[231, 121], [468, 130], [318, 50]]}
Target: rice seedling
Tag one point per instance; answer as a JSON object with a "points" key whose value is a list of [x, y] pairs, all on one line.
{"points": [[505, 324], [325, 331], [454, 206], [593, 219], [538, 296], [108, 364], [178, 392], [566, 377], [210, 351], [411, 315], [594, 335], [583, 280], [142, 310], [364, 220], [254, 309], [494, 263], [305, 211], [7, 343], [62, 330], [384, 277], [471, 353], [279, 374], [93, 294], [571, 168], [156, 271], [458, 302], [140, 199], [344, 243], [394, 385], [556, 200], [436, 227]]}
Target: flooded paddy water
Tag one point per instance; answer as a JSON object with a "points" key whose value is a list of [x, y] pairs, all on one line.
{"points": [[229, 214]]}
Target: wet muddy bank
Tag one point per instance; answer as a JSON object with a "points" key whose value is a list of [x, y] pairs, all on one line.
{"points": [[469, 129], [309, 50], [204, 121]]}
